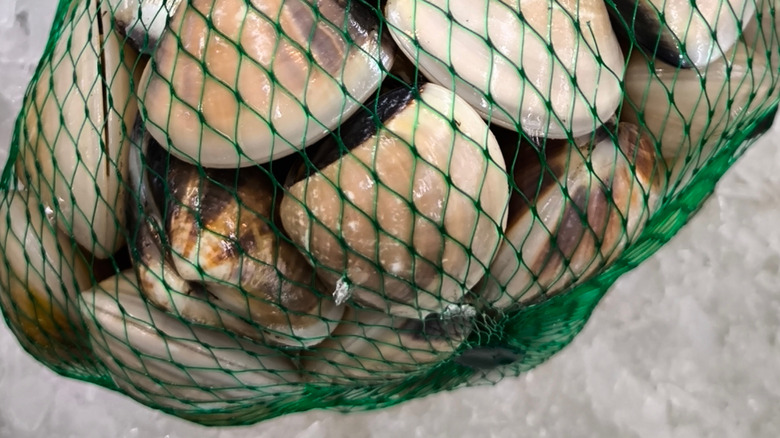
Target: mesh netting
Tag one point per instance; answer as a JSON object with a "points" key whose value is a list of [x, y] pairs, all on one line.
{"points": [[230, 210]]}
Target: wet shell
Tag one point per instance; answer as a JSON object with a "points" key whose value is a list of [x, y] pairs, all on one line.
{"points": [[684, 33], [371, 346], [411, 215], [713, 103], [73, 138], [520, 55], [567, 222], [143, 21], [222, 252], [298, 75], [39, 279], [163, 362]]}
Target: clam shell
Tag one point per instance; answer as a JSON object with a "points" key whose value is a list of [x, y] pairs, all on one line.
{"points": [[514, 60], [143, 21], [684, 33], [73, 138], [371, 346], [411, 216], [163, 362], [222, 263], [298, 75], [575, 209], [39, 279], [713, 102]]}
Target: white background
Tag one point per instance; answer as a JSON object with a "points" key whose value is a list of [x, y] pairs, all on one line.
{"points": [[686, 345]]}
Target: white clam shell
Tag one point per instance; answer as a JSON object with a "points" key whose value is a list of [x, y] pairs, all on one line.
{"points": [[41, 274], [73, 139], [143, 21], [371, 346], [162, 361], [582, 218], [522, 54], [412, 215], [714, 101], [690, 34], [295, 79]]}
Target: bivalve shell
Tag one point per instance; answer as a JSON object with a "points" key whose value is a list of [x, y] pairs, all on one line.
{"points": [[238, 82], [406, 217], [73, 139], [163, 362]]}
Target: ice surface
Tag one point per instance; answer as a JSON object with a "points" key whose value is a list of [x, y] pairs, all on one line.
{"points": [[684, 346]]}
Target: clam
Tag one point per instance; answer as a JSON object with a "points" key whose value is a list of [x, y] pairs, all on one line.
{"points": [[403, 217], [41, 274], [371, 346], [237, 82], [143, 21], [161, 361], [690, 112], [550, 69], [218, 245], [684, 33], [73, 137], [576, 208]]}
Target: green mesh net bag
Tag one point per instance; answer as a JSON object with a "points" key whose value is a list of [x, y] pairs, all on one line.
{"points": [[231, 210]]}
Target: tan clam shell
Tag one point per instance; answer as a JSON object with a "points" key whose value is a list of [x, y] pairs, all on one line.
{"points": [[161, 361], [520, 53], [393, 223], [734, 90], [39, 280], [371, 346], [586, 217], [73, 140], [296, 79], [252, 282]]}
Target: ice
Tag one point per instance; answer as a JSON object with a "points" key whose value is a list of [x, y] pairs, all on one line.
{"points": [[684, 346]]}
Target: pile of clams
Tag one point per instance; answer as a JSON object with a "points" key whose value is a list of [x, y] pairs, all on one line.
{"points": [[222, 200]]}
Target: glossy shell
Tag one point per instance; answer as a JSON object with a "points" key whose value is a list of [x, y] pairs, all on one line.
{"points": [[298, 75], [221, 248], [370, 346], [411, 216], [713, 101], [519, 54], [164, 362], [689, 34], [143, 21], [581, 219], [73, 141], [41, 274]]}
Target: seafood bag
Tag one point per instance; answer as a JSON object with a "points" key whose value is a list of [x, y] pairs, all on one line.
{"points": [[231, 210]]}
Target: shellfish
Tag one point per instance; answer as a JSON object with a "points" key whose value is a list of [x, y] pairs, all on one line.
{"points": [[218, 244], [550, 69], [690, 112], [73, 140], [576, 208], [408, 215], [683, 33], [143, 21], [237, 82], [372, 346], [164, 362], [41, 274]]}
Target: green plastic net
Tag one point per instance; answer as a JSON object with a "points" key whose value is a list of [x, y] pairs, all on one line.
{"points": [[230, 210]]}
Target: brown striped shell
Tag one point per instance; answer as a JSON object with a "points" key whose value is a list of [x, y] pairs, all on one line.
{"points": [[221, 249], [567, 222]]}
